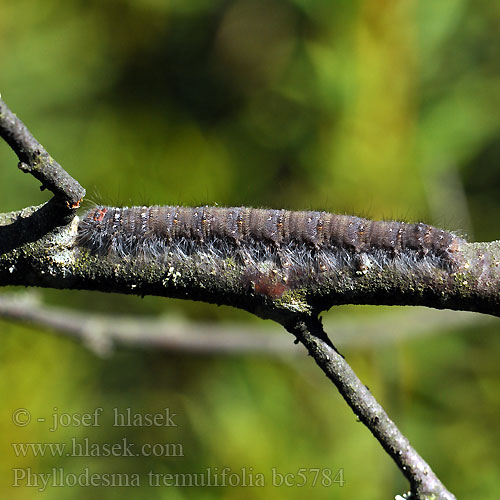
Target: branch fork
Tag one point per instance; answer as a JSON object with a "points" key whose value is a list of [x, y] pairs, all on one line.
{"points": [[37, 248]]}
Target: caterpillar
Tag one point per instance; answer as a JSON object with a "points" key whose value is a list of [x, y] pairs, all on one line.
{"points": [[126, 231], [276, 249]]}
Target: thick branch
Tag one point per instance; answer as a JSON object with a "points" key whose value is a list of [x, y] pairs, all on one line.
{"points": [[34, 159], [29, 257], [424, 483]]}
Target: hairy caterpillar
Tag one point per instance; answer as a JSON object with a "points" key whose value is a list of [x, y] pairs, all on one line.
{"points": [[266, 241]]}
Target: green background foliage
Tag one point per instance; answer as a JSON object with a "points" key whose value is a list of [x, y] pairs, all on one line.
{"points": [[384, 109]]}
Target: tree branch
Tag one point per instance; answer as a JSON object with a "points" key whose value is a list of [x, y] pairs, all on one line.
{"points": [[34, 159], [31, 256], [424, 483], [103, 332], [39, 246]]}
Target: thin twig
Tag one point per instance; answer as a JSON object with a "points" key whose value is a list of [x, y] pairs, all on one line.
{"points": [[103, 332], [34, 159], [424, 483]]}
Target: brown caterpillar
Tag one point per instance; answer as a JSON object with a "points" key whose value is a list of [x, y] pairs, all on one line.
{"points": [[138, 230]]}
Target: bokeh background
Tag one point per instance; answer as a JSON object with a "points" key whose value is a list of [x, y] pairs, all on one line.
{"points": [[384, 109]]}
